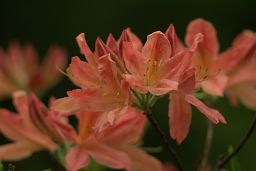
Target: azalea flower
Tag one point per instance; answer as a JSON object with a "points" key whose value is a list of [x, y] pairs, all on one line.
{"points": [[113, 147], [180, 112], [206, 60], [240, 62], [100, 79], [19, 69], [30, 129], [154, 69]]}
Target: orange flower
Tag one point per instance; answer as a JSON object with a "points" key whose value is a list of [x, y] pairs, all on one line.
{"points": [[19, 69]]}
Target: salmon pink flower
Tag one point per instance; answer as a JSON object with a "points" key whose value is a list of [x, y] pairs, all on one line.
{"points": [[154, 69], [113, 147], [30, 129], [100, 79], [19, 69], [240, 62], [209, 73]]}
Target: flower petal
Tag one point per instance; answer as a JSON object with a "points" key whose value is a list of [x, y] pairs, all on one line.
{"points": [[133, 59], [209, 47], [83, 74], [76, 159], [142, 161], [17, 151], [85, 50], [128, 128], [174, 40], [216, 85], [211, 114], [163, 87], [179, 117], [56, 58], [157, 47], [108, 156]]}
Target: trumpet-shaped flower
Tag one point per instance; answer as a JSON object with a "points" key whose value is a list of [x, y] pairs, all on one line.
{"points": [[30, 129], [155, 68], [114, 146], [19, 69], [240, 62], [209, 73]]}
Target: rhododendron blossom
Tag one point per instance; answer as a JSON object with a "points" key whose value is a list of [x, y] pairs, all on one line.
{"points": [[113, 147], [19, 69], [206, 59], [30, 129]]}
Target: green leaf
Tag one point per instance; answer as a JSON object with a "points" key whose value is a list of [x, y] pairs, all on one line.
{"points": [[234, 163]]}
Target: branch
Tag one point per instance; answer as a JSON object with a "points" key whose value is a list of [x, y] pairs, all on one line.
{"points": [[221, 163], [207, 147], [153, 121]]}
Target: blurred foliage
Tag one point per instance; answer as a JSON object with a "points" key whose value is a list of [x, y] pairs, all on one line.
{"points": [[45, 22]]}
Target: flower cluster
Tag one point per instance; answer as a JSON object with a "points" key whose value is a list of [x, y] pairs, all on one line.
{"points": [[19, 69], [118, 84]]}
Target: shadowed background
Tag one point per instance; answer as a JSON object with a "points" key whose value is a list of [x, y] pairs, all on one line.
{"points": [[46, 22]]}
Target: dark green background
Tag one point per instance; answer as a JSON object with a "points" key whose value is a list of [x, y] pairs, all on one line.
{"points": [[46, 22]]}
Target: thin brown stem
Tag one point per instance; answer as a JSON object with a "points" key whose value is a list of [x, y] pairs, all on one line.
{"points": [[207, 148], [172, 152], [221, 163]]}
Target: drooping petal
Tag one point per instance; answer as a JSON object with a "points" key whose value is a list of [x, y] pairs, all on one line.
{"points": [[142, 161], [157, 47], [108, 156], [179, 117], [211, 114], [77, 158]]}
